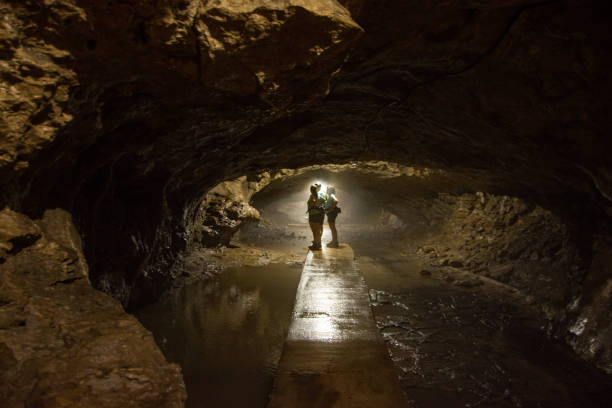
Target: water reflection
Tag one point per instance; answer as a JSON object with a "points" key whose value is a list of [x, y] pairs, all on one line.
{"points": [[227, 334], [332, 303]]}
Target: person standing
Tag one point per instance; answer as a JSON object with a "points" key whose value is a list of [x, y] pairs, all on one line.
{"points": [[316, 215], [332, 210]]}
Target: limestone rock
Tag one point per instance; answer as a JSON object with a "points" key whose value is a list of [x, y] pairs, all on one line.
{"points": [[587, 327], [500, 272], [127, 113], [62, 343], [223, 210], [283, 51], [469, 282], [269, 47], [35, 87]]}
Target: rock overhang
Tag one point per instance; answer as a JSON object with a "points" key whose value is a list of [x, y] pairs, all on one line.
{"points": [[126, 115]]}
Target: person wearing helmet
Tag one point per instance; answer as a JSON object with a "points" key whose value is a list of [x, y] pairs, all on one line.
{"points": [[332, 210], [316, 215]]}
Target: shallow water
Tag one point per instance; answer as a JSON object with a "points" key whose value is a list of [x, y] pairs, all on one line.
{"points": [[227, 334], [472, 347], [452, 346]]}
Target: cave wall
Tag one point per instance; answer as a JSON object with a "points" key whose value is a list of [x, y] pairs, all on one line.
{"points": [[534, 251], [126, 113], [223, 210], [63, 343], [590, 328], [512, 241]]}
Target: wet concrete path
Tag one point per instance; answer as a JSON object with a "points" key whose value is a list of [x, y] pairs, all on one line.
{"points": [[334, 355]]}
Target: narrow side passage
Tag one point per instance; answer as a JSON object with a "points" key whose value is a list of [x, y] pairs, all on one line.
{"points": [[334, 355]]}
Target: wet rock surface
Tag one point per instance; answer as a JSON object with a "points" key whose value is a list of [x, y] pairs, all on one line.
{"points": [[200, 263], [526, 247], [459, 346], [63, 343], [334, 355], [457, 339]]}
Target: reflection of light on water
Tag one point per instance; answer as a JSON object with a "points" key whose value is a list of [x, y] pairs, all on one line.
{"points": [[321, 328], [227, 333], [320, 307], [237, 306]]}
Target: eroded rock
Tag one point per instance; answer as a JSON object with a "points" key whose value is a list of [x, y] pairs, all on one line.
{"points": [[587, 325], [63, 343], [126, 113]]}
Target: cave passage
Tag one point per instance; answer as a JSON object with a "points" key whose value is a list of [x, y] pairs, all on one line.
{"points": [[452, 326], [451, 345], [159, 153]]}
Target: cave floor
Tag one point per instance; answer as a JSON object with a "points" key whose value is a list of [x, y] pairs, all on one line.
{"points": [[334, 354], [461, 341], [453, 341]]}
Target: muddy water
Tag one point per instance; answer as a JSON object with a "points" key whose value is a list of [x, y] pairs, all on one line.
{"points": [[471, 347], [452, 346], [227, 334]]}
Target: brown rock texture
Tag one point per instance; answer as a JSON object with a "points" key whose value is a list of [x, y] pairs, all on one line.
{"points": [[126, 113], [146, 103], [224, 209], [282, 51], [511, 241], [551, 261], [130, 111], [35, 88], [588, 325], [63, 343], [534, 251]]}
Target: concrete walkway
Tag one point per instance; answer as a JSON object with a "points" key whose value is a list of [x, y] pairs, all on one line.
{"points": [[334, 355]]}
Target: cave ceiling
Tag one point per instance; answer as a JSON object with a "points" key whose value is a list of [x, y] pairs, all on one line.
{"points": [[163, 99]]}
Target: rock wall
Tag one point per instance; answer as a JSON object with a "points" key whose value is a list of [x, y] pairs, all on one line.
{"points": [[62, 55], [534, 251], [126, 113], [223, 211], [586, 322], [63, 343], [512, 241], [130, 112]]}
